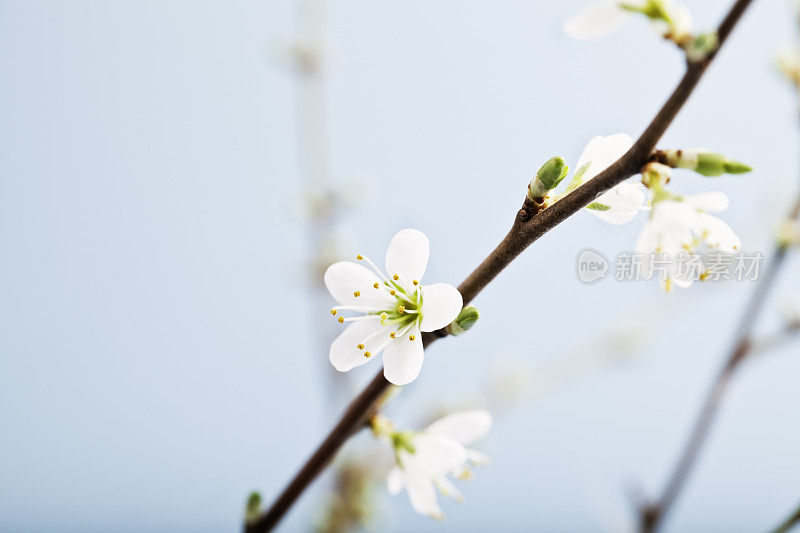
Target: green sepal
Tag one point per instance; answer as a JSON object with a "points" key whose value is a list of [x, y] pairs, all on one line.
{"points": [[598, 206]]}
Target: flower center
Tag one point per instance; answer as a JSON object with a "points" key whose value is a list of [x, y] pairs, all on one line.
{"points": [[393, 301]]}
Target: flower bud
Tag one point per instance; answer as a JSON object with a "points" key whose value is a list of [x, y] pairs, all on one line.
{"points": [[547, 178], [253, 508], [464, 321], [701, 161]]}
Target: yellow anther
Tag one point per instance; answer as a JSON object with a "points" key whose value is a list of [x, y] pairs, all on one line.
{"points": [[411, 337], [392, 292], [401, 309], [333, 312], [360, 346], [395, 277], [341, 320], [392, 334], [375, 285], [705, 275], [357, 294], [359, 257], [415, 282], [367, 354]]}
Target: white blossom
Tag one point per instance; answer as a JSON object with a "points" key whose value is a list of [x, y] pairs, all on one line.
{"points": [[621, 203], [425, 459], [394, 309], [680, 226]]}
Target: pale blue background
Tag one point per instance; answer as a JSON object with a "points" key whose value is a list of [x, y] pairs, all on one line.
{"points": [[156, 356]]}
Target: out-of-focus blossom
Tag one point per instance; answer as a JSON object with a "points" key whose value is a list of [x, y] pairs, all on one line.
{"points": [[424, 459], [673, 21]]}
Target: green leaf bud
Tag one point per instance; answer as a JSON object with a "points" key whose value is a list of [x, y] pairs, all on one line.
{"points": [[464, 321]]}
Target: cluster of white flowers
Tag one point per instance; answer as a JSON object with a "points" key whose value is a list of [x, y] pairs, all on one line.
{"points": [[424, 459]]}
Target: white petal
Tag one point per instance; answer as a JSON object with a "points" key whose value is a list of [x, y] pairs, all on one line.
{"points": [[711, 202], [624, 202], [616, 217], [422, 494], [395, 481], [441, 303], [464, 427], [345, 355], [681, 19], [434, 455], [602, 151], [477, 458], [402, 359], [596, 20], [343, 279], [717, 234], [447, 488], [407, 256]]}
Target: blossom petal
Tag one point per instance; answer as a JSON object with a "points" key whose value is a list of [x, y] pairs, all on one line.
{"points": [[441, 303], [717, 234], [710, 202], [477, 458], [601, 152], [624, 202], [402, 359], [422, 494], [344, 353], [407, 256], [447, 488], [344, 278], [596, 20], [464, 427], [434, 455], [395, 481]]}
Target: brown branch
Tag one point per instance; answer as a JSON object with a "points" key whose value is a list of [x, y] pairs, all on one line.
{"points": [[528, 226], [790, 522], [652, 514]]}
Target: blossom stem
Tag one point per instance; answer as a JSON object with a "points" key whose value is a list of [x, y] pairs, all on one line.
{"points": [[529, 224]]}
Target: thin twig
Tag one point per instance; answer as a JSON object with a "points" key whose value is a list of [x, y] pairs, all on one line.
{"points": [[652, 514], [528, 226], [791, 521]]}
